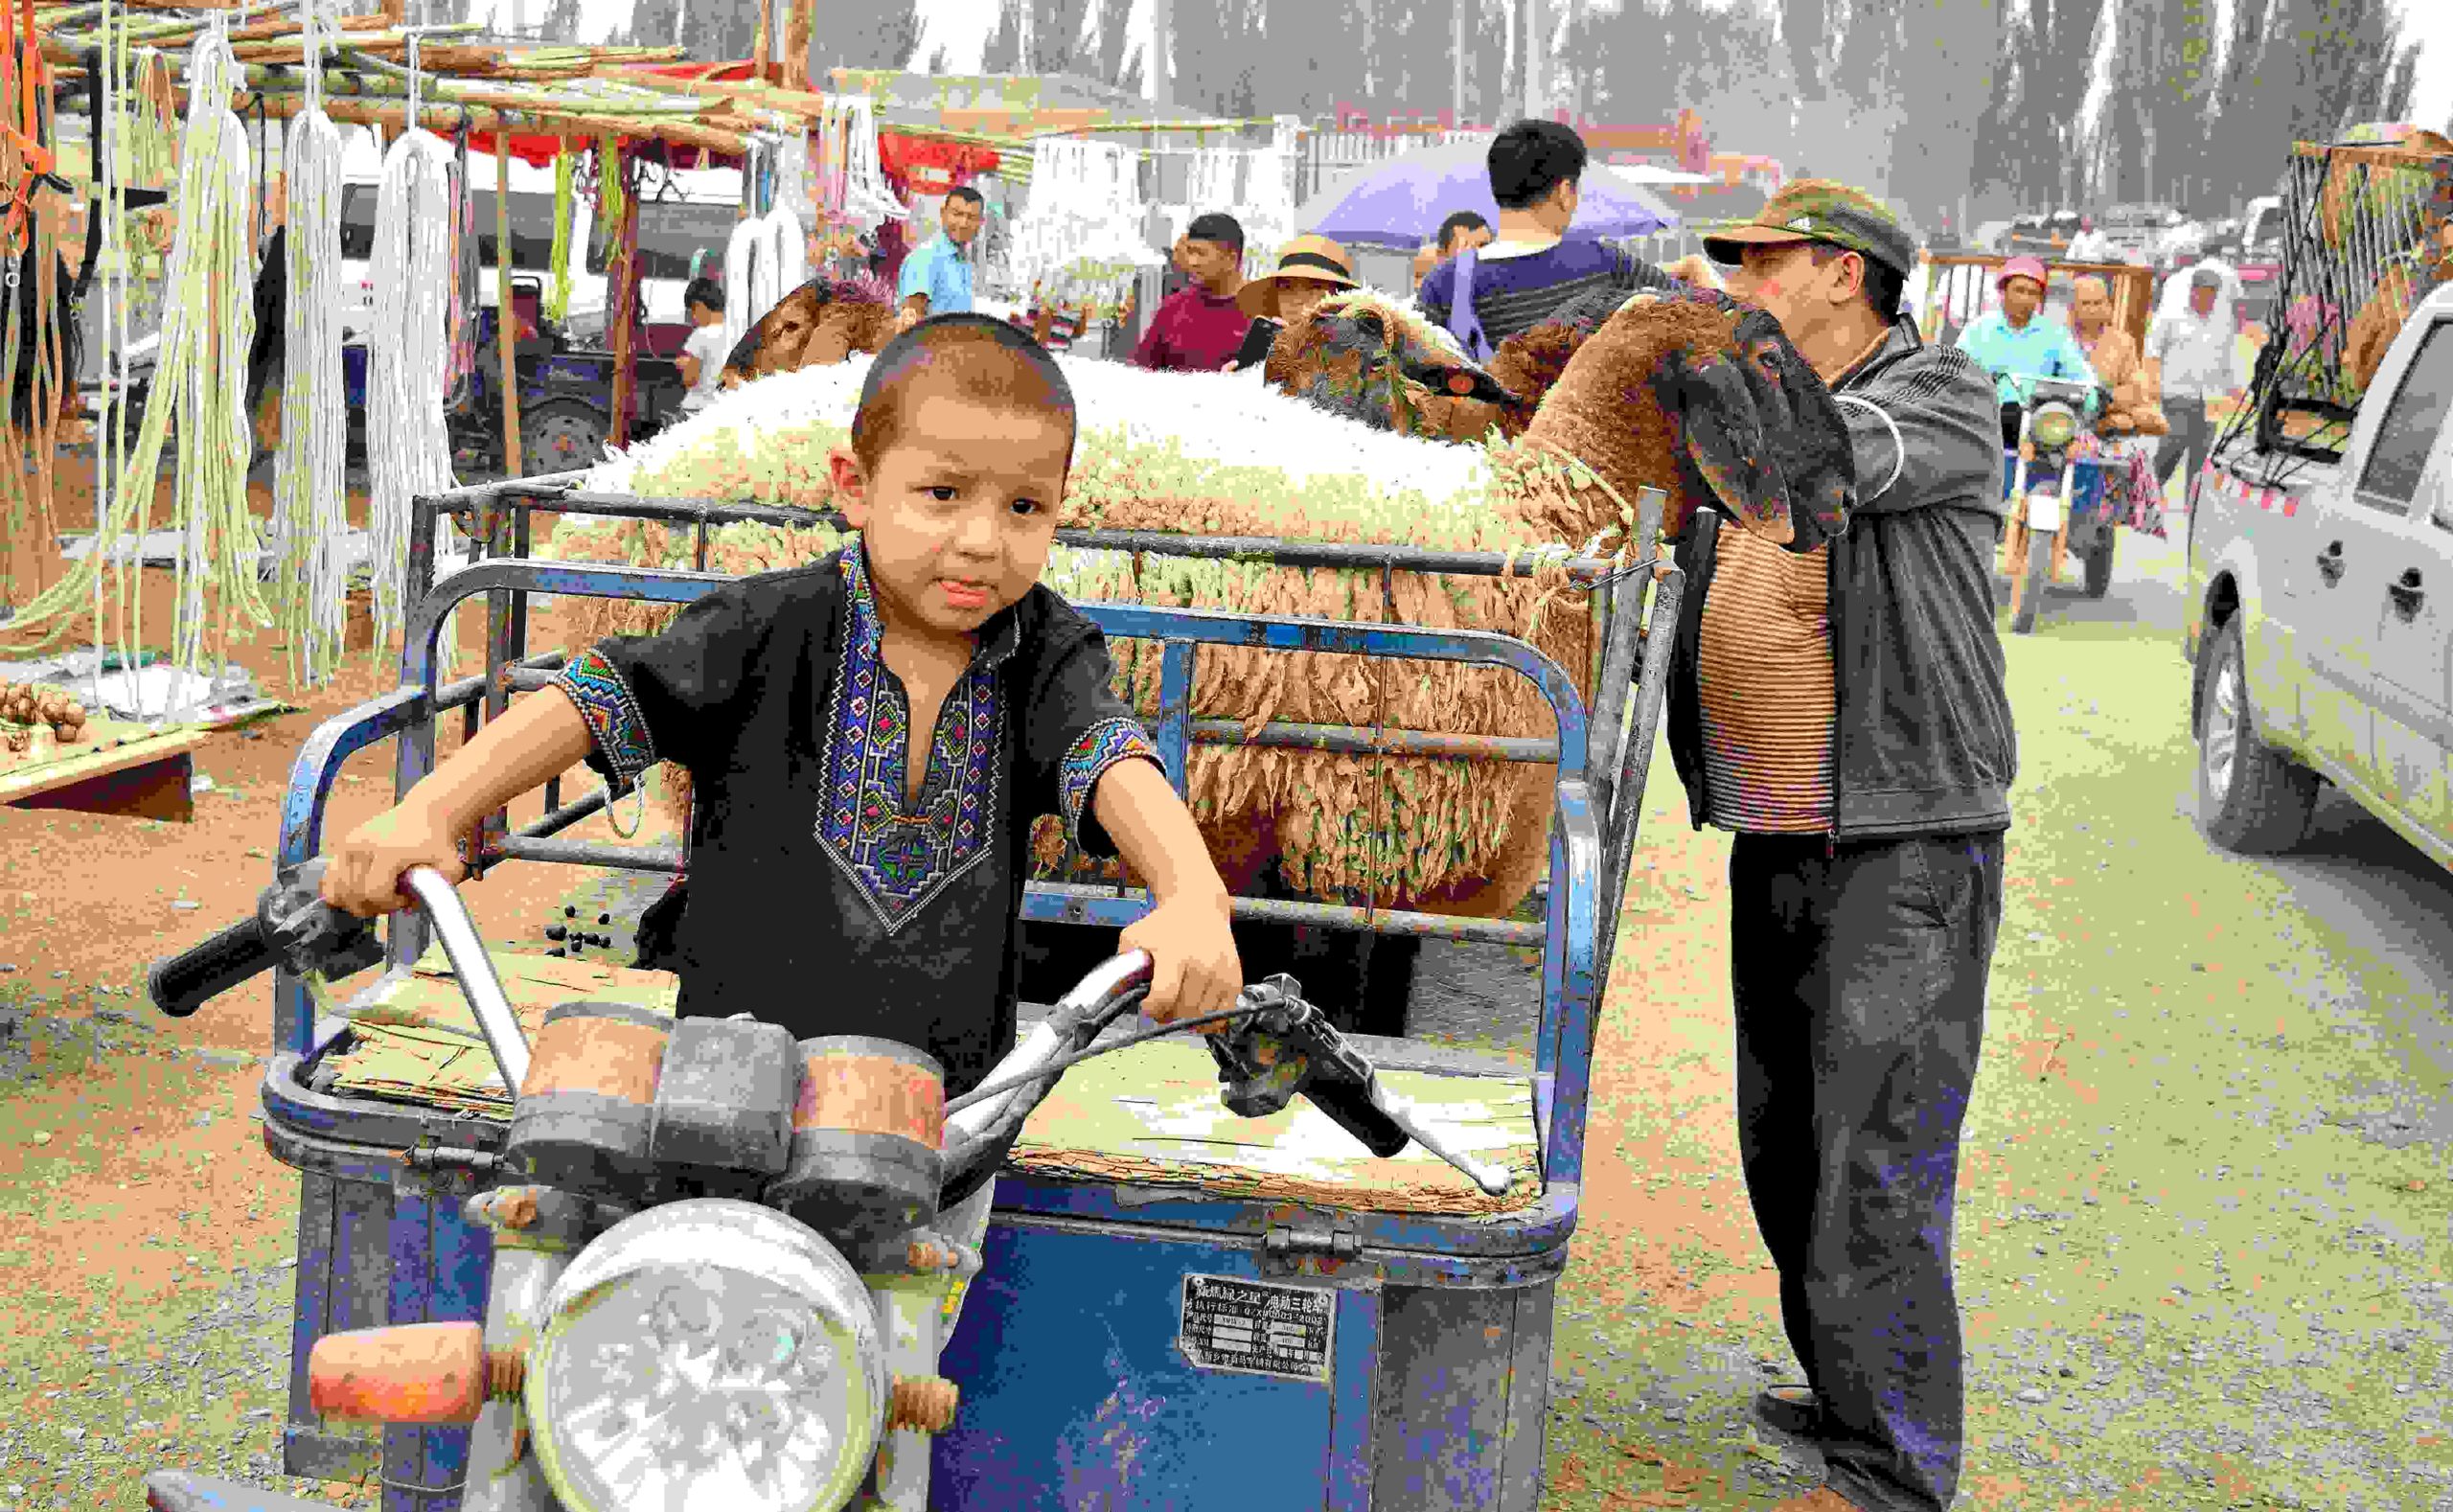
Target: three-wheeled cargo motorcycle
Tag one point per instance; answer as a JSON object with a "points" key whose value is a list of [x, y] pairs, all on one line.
{"points": [[694, 1263]]}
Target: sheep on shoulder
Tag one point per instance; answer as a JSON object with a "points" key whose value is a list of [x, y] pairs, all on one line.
{"points": [[1372, 359], [823, 321]]}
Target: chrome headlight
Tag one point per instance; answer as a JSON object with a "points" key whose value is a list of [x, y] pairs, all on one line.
{"points": [[707, 1353], [2053, 424]]}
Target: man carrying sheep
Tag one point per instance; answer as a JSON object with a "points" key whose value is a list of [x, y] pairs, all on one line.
{"points": [[1842, 709]]}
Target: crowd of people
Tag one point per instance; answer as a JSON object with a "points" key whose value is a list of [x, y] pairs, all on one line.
{"points": [[2153, 399]]}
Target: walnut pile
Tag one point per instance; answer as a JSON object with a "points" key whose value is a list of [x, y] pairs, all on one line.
{"points": [[27, 705]]}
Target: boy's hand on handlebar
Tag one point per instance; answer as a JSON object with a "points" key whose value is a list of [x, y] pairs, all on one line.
{"points": [[1194, 969], [363, 876]]}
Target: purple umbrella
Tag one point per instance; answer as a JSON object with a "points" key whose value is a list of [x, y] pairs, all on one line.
{"points": [[1400, 202]]}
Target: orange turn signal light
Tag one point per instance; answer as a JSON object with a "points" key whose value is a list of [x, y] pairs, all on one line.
{"points": [[426, 1373]]}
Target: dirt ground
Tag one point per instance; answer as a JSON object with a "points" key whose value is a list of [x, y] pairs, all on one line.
{"points": [[2203, 1247]]}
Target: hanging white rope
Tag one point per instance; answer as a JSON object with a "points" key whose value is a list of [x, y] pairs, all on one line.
{"points": [[867, 201], [1083, 221], [310, 504], [408, 352]]}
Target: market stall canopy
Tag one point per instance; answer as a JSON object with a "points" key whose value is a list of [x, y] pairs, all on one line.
{"points": [[1401, 201]]}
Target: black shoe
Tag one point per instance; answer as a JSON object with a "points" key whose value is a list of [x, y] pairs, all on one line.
{"points": [[1793, 1410]]}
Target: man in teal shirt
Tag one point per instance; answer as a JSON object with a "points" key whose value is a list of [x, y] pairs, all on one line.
{"points": [[936, 279], [2015, 343]]}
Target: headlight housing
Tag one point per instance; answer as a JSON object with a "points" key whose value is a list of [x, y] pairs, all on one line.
{"points": [[2053, 424], [708, 1353]]}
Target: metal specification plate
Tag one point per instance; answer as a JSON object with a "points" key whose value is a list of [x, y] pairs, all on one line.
{"points": [[1259, 1328]]}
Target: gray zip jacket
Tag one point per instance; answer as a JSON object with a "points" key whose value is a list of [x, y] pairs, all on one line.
{"points": [[1922, 740]]}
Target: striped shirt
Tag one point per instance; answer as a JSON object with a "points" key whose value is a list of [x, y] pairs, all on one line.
{"points": [[1513, 294], [1767, 694]]}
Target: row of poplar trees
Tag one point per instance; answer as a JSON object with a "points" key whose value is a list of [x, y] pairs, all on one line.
{"points": [[1950, 108]]}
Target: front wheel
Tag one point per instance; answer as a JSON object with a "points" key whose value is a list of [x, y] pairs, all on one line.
{"points": [[2027, 591], [2250, 798]]}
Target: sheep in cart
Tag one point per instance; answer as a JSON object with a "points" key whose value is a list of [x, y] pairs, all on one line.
{"points": [[1691, 393]]}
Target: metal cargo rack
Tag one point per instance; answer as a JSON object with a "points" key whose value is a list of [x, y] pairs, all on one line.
{"points": [[1432, 1309]]}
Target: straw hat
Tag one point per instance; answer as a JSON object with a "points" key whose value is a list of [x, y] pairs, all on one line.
{"points": [[1306, 257]]}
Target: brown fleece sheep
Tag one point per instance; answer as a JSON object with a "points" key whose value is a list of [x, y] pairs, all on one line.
{"points": [[2398, 293], [1528, 363], [822, 321], [1373, 361]]}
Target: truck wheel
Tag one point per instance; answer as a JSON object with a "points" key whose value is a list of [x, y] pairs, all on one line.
{"points": [[2098, 563], [2251, 800], [561, 436], [2033, 574]]}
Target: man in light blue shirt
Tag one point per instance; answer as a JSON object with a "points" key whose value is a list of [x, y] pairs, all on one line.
{"points": [[2015, 343], [936, 279]]}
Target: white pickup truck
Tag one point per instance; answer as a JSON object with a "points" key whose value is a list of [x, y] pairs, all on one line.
{"points": [[2320, 616]]}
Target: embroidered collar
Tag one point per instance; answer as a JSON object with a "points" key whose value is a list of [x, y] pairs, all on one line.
{"points": [[998, 639], [900, 856]]}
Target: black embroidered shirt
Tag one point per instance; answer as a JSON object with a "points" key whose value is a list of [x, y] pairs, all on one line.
{"points": [[817, 898]]}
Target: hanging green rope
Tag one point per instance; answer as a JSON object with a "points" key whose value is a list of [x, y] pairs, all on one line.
{"points": [[208, 323], [557, 304]]}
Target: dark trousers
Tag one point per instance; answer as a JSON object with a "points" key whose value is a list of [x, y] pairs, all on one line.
{"points": [[1858, 978], [2191, 439], [2011, 415]]}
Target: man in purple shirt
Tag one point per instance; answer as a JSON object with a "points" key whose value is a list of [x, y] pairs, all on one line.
{"points": [[1199, 330], [1533, 266]]}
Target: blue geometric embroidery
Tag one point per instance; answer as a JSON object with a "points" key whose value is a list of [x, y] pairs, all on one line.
{"points": [[1101, 746], [899, 858], [614, 719]]}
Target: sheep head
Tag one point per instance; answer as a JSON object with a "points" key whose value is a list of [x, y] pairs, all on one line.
{"points": [[1369, 360], [1705, 398], [824, 320]]}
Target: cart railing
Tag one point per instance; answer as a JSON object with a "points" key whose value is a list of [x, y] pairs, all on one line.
{"points": [[1591, 840]]}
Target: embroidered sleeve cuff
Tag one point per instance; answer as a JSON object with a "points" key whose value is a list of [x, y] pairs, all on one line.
{"points": [[1100, 746], [597, 689]]}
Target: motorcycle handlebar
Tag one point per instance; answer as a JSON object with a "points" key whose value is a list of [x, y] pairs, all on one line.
{"points": [[182, 984]]}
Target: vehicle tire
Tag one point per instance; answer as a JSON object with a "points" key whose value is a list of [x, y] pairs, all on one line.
{"points": [[2250, 799], [2034, 573], [2099, 565], [561, 436]]}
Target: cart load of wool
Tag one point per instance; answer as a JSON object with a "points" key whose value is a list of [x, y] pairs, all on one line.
{"points": [[1176, 452]]}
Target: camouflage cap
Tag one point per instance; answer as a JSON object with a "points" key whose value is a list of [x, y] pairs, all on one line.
{"points": [[1821, 209]]}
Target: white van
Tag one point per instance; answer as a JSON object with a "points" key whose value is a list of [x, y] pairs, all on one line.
{"points": [[680, 212]]}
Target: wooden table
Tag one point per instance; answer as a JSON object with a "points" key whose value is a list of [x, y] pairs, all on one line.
{"points": [[120, 767]]}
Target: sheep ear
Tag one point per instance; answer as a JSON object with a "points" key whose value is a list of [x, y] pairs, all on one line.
{"points": [[1724, 434]]}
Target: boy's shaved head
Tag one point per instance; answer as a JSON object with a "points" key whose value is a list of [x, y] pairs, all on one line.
{"points": [[968, 356]]}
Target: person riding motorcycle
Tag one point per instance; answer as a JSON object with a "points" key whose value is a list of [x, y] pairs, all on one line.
{"points": [[2015, 343]]}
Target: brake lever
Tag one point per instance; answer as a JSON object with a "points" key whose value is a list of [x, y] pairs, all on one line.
{"points": [[1286, 1045]]}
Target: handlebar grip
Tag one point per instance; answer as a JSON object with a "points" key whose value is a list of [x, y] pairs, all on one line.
{"points": [[182, 984]]}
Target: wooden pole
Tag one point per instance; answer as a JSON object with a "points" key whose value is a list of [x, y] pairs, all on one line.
{"points": [[765, 65], [625, 288], [504, 315], [801, 20]]}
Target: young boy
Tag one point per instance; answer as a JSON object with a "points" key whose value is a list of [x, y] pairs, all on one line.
{"points": [[702, 357], [870, 738]]}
